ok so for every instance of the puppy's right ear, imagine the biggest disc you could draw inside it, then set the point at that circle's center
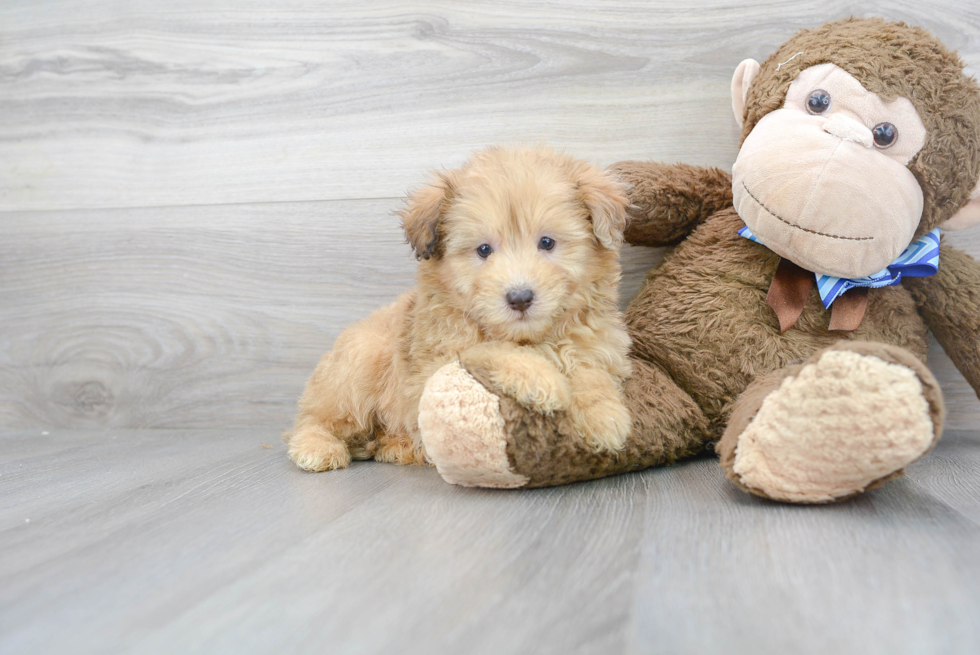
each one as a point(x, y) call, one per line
point(604, 196)
point(422, 215)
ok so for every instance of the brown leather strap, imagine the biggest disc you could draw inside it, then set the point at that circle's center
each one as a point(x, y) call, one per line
point(847, 312)
point(788, 292)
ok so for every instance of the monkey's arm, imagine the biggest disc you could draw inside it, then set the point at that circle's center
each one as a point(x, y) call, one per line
point(669, 201)
point(950, 303)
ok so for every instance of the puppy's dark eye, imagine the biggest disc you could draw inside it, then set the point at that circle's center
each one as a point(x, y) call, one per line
point(818, 102)
point(885, 135)
point(484, 250)
point(546, 243)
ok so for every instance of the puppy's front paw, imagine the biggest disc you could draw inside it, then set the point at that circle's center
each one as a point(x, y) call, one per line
point(542, 391)
point(605, 424)
point(313, 448)
point(525, 376)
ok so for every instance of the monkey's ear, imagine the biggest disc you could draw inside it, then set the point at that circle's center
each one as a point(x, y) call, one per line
point(422, 214)
point(605, 198)
point(741, 81)
point(968, 216)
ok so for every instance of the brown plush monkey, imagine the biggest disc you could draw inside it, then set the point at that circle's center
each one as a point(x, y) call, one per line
point(788, 328)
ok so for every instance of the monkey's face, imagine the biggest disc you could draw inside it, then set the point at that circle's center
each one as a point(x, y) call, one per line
point(824, 180)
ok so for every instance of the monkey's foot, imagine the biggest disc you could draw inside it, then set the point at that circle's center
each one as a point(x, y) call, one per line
point(847, 420)
point(463, 431)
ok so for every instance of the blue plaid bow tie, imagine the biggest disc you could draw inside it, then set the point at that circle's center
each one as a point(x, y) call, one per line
point(920, 259)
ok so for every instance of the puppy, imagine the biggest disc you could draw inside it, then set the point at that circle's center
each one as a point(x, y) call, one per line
point(519, 269)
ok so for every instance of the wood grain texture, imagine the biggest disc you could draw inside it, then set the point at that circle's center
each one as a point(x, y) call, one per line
point(200, 541)
point(192, 317)
point(204, 102)
point(197, 196)
point(213, 316)
point(195, 200)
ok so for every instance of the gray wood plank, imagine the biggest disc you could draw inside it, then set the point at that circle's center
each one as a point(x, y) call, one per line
point(207, 316)
point(205, 542)
point(213, 316)
point(189, 317)
point(200, 103)
point(210, 311)
point(872, 575)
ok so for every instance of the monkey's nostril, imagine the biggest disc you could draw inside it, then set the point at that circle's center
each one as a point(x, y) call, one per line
point(520, 299)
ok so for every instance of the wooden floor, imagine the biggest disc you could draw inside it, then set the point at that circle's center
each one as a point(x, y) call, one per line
point(163, 541)
point(196, 196)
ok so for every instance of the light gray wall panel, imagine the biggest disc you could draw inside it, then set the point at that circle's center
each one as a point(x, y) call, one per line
point(195, 198)
point(145, 103)
point(213, 316)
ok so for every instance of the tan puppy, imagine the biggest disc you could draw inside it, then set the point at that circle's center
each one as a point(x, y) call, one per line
point(519, 271)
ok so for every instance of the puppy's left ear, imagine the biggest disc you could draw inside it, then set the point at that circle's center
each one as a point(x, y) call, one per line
point(422, 215)
point(605, 198)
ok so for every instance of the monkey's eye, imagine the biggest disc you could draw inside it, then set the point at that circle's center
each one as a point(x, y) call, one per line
point(818, 102)
point(885, 135)
point(484, 250)
point(546, 243)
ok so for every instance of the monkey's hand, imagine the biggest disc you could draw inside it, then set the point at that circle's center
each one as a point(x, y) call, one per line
point(669, 201)
point(950, 303)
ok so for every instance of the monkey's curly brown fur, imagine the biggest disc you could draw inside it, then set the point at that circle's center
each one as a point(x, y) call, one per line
point(705, 342)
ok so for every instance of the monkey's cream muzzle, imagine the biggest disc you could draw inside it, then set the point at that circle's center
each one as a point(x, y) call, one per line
point(815, 188)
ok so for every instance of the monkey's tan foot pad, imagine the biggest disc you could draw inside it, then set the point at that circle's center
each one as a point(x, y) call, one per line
point(840, 424)
point(463, 431)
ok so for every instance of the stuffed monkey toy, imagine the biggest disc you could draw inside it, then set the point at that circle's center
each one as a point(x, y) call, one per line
point(787, 330)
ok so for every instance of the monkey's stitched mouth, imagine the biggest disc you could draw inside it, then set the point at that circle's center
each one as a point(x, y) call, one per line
point(800, 227)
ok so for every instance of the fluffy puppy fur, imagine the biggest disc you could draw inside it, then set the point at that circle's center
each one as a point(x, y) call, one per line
point(519, 271)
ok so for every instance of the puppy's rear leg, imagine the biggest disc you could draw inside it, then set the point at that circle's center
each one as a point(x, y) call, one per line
point(339, 408)
point(399, 448)
point(314, 447)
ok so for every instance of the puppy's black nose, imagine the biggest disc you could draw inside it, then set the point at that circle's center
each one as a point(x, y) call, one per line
point(520, 299)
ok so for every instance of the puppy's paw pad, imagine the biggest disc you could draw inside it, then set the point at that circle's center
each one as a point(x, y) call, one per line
point(605, 425)
point(400, 450)
point(546, 394)
point(527, 377)
point(313, 452)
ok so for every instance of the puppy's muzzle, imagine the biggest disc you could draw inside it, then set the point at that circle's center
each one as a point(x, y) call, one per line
point(520, 299)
